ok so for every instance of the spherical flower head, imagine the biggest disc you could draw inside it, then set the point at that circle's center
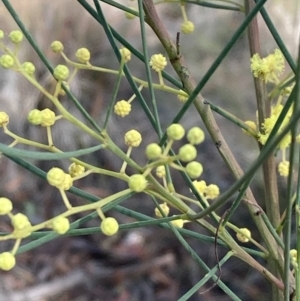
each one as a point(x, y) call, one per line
point(182, 98)
point(194, 169)
point(175, 131)
point(187, 27)
point(22, 226)
point(48, 117)
point(284, 168)
point(243, 235)
point(293, 254)
point(61, 72)
point(83, 55)
point(268, 68)
point(60, 225)
point(1, 34)
point(20, 221)
point(200, 186)
point(161, 171)
point(35, 117)
point(5, 206)
point(29, 68)
point(57, 47)
point(16, 36)
point(76, 170)
point(7, 61)
point(56, 177)
point(137, 183)
point(153, 151)
point(164, 208)
point(187, 153)
point(125, 54)
point(4, 119)
point(133, 138)
point(195, 135)
point(178, 223)
point(128, 15)
point(109, 226)
point(251, 124)
point(7, 261)
point(212, 191)
point(158, 62)
point(122, 108)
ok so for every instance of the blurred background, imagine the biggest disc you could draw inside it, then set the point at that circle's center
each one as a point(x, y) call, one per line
point(142, 264)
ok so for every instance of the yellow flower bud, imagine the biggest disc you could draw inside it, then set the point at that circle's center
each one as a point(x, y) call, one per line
point(16, 36)
point(35, 117)
point(165, 209)
point(153, 151)
point(5, 206)
point(47, 117)
point(293, 254)
point(194, 169)
point(7, 61)
point(122, 108)
point(83, 55)
point(178, 223)
point(28, 67)
point(20, 221)
point(195, 135)
point(187, 27)
point(57, 47)
point(7, 261)
point(61, 72)
point(243, 235)
point(200, 186)
point(109, 226)
point(181, 98)
point(22, 226)
point(212, 191)
point(175, 131)
point(56, 177)
point(4, 119)
point(76, 170)
point(125, 54)
point(187, 153)
point(60, 225)
point(284, 168)
point(1, 34)
point(158, 62)
point(161, 171)
point(137, 183)
point(133, 138)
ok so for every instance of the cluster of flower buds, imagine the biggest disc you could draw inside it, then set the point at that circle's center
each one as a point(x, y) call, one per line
point(22, 228)
point(44, 117)
point(58, 178)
